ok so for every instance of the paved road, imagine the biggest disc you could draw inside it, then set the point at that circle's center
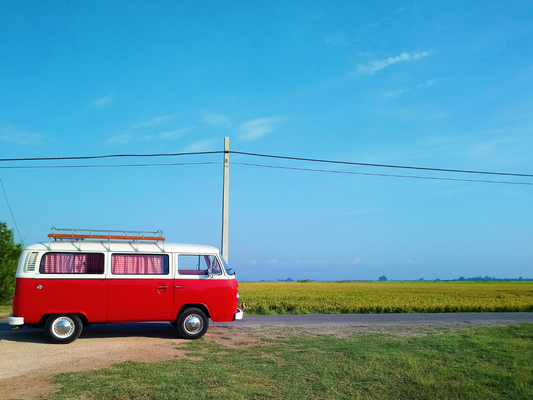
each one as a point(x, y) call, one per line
point(382, 319)
point(325, 320)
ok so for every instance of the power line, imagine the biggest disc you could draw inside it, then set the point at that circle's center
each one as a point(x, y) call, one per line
point(268, 156)
point(107, 165)
point(389, 175)
point(257, 165)
point(382, 165)
point(11, 211)
point(110, 156)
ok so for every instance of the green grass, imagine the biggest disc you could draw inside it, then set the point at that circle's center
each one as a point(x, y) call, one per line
point(5, 310)
point(471, 363)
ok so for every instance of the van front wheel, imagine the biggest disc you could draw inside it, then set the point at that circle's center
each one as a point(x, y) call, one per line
point(192, 323)
point(63, 328)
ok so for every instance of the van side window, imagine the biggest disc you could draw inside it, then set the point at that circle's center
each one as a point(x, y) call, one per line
point(139, 264)
point(198, 265)
point(72, 263)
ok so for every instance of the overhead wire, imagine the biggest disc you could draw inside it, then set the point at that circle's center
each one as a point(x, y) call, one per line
point(268, 156)
point(254, 165)
point(110, 156)
point(11, 211)
point(266, 166)
point(108, 165)
point(389, 175)
point(382, 165)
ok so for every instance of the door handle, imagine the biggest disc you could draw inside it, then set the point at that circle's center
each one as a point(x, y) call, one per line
point(163, 287)
point(179, 287)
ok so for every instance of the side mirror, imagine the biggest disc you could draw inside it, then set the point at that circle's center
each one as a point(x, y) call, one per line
point(230, 271)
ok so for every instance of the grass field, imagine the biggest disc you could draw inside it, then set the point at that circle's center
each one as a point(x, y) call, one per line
point(5, 310)
point(385, 297)
point(437, 363)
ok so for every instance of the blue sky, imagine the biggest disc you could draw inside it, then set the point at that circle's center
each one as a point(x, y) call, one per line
point(443, 84)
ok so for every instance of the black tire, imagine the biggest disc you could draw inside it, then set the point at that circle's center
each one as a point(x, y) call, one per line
point(192, 323)
point(63, 328)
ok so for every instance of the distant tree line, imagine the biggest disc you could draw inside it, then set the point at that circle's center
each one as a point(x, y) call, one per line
point(492, 279)
point(461, 279)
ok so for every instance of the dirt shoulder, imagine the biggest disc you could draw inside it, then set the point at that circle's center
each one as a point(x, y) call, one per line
point(27, 361)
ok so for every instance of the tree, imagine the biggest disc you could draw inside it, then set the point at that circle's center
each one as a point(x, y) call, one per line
point(382, 278)
point(9, 257)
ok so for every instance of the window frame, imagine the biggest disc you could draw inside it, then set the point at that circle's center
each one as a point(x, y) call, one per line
point(199, 273)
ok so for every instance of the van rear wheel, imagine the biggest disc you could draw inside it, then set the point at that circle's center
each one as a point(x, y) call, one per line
point(63, 328)
point(192, 323)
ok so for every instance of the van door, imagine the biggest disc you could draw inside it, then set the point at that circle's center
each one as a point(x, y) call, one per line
point(139, 288)
point(200, 280)
point(64, 283)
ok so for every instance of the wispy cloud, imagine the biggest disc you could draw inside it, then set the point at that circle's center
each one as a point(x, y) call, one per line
point(203, 145)
point(387, 19)
point(173, 134)
point(378, 65)
point(337, 40)
point(134, 137)
point(216, 119)
point(395, 93)
point(429, 82)
point(300, 262)
point(257, 128)
point(153, 122)
point(103, 102)
point(17, 136)
point(463, 146)
point(119, 139)
point(424, 112)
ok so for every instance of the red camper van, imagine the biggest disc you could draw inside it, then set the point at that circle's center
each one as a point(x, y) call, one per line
point(82, 277)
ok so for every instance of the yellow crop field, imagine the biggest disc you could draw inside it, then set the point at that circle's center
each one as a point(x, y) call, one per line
point(385, 297)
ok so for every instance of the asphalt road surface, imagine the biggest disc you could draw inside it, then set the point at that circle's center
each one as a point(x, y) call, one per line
point(320, 320)
point(382, 319)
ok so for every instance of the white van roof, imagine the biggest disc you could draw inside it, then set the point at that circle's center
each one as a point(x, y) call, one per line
point(122, 246)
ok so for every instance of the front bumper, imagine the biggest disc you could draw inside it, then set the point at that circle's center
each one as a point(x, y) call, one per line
point(16, 321)
point(239, 314)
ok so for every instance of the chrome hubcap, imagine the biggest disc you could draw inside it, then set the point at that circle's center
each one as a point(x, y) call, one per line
point(193, 324)
point(63, 327)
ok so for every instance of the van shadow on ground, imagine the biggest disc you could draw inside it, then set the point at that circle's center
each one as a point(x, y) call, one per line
point(162, 330)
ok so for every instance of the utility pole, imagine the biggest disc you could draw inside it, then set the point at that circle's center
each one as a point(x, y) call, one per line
point(225, 202)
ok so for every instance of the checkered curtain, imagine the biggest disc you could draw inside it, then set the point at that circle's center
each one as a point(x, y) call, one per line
point(139, 264)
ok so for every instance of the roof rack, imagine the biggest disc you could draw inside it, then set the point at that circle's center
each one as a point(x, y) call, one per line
point(77, 234)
